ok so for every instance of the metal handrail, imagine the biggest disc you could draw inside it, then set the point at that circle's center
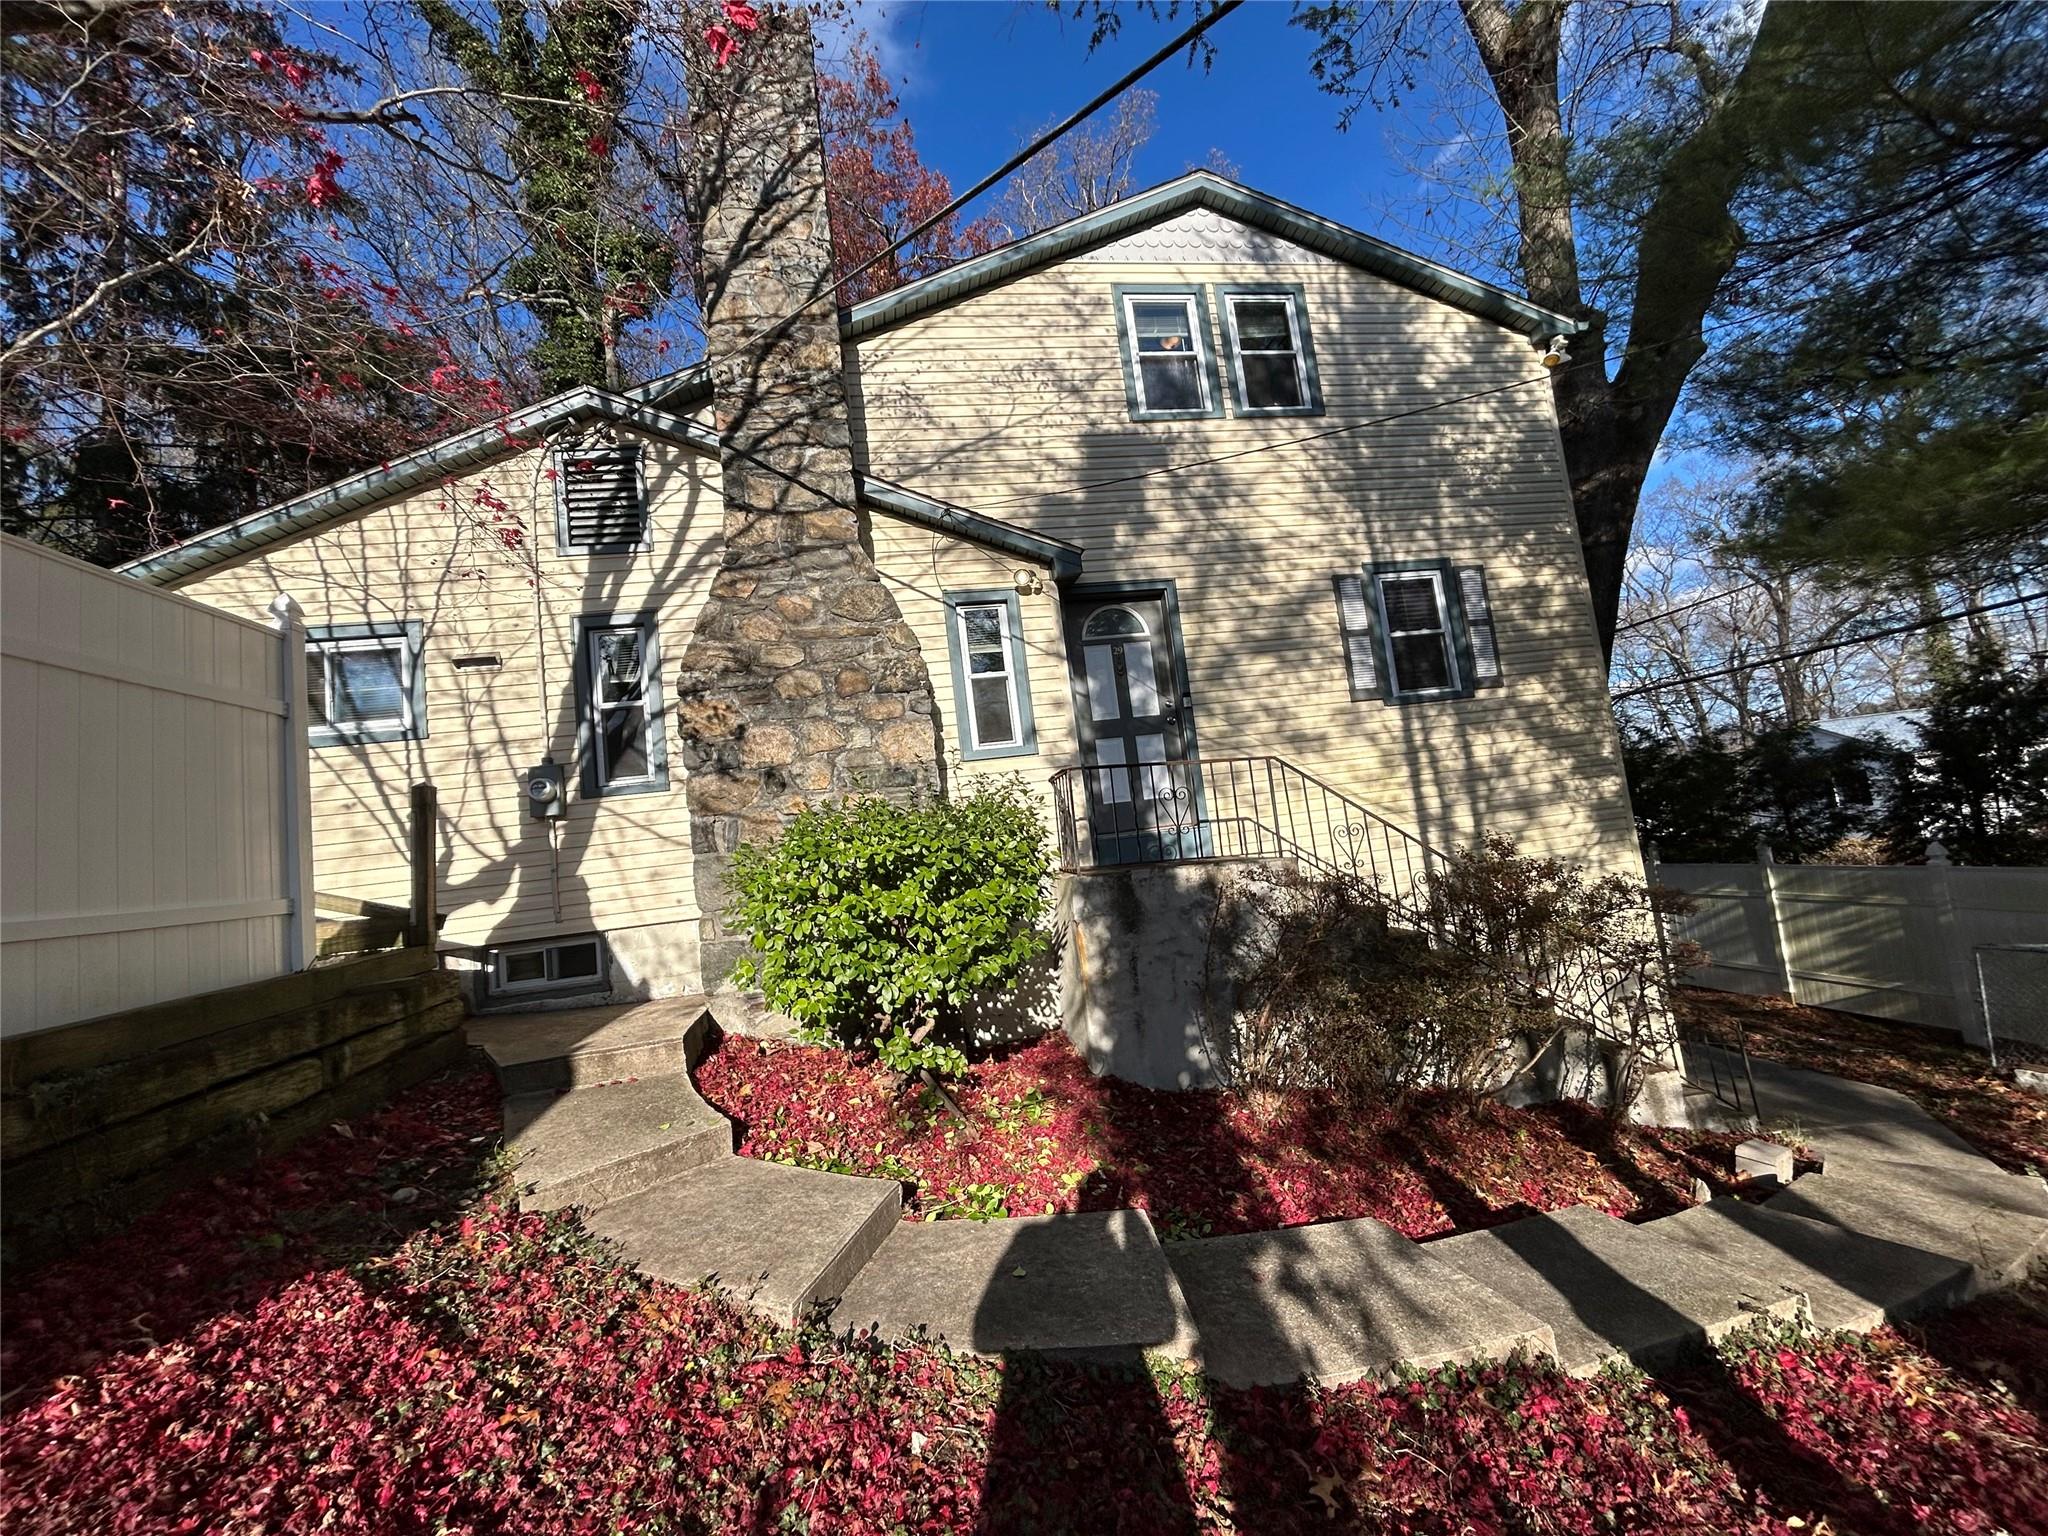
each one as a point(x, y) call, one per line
point(1189, 810)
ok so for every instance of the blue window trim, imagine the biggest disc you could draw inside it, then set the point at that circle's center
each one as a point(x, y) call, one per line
point(1026, 744)
point(407, 630)
point(657, 718)
point(646, 539)
point(1127, 347)
point(1311, 381)
point(1454, 622)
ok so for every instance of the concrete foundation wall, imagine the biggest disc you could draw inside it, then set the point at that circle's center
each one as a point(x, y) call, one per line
point(1137, 990)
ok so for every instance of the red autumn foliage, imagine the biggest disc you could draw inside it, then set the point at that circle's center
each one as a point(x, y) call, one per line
point(361, 1336)
point(878, 189)
point(1045, 1135)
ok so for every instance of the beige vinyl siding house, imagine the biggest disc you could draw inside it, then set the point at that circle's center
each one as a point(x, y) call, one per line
point(476, 563)
point(1015, 401)
point(1194, 479)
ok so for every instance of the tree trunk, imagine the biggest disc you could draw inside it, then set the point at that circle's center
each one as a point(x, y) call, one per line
point(1686, 247)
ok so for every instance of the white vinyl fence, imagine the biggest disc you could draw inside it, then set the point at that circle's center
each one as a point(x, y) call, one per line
point(155, 833)
point(1894, 941)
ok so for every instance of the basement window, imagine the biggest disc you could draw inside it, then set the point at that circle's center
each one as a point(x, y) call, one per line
point(554, 963)
point(600, 500)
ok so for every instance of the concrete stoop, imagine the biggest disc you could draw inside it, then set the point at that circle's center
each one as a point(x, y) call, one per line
point(602, 1114)
point(1611, 1290)
point(1336, 1302)
point(581, 1047)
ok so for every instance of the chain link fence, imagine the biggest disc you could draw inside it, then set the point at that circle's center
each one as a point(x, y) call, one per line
point(2012, 981)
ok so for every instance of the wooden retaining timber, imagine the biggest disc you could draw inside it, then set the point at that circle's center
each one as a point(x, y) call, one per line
point(101, 1119)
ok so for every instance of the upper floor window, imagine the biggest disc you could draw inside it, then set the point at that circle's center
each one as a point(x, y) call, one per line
point(364, 683)
point(1272, 360)
point(600, 500)
point(1420, 650)
point(1168, 372)
point(622, 746)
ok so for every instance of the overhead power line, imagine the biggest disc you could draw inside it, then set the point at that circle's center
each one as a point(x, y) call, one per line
point(1186, 38)
point(1660, 684)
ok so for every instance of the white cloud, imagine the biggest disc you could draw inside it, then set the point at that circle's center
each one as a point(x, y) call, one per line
point(889, 28)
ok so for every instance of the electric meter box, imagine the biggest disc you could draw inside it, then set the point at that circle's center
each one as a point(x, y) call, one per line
point(545, 796)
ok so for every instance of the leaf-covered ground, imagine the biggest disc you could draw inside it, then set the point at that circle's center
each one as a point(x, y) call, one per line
point(359, 1336)
point(1042, 1134)
point(1952, 1081)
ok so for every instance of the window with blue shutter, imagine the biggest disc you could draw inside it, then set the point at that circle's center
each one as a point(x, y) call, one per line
point(1416, 631)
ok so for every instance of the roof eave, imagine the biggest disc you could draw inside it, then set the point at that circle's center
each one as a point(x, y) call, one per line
point(1205, 190)
point(963, 522)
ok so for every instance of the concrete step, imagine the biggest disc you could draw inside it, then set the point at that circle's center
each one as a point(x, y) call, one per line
point(1088, 1284)
point(1839, 1117)
point(1335, 1303)
point(597, 1145)
point(779, 1239)
point(1996, 1222)
point(1850, 1280)
point(1609, 1289)
point(575, 1047)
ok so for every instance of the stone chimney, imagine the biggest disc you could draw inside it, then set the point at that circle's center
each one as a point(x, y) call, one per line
point(801, 680)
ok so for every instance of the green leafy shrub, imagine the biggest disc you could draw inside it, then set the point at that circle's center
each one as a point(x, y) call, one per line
point(873, 923)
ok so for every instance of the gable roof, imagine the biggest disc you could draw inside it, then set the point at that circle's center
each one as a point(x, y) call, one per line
point(1196, 189)
point(289, 520)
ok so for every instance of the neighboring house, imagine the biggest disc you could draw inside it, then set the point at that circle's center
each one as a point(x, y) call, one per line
point(1893, 730)
point(1197, 477)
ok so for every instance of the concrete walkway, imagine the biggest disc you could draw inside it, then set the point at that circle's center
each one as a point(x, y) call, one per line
point(1905, 1218)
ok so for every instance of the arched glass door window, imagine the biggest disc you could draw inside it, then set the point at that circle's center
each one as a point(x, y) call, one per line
point(1113, 624)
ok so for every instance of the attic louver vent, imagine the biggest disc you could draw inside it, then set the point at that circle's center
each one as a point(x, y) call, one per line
point(600, 506)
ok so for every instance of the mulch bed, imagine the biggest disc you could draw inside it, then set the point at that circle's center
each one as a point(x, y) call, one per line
point(1044, 1135)
point(1952, 1081)
point(361, 1336)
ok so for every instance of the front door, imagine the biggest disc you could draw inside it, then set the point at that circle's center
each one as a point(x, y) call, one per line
point(1132, 706)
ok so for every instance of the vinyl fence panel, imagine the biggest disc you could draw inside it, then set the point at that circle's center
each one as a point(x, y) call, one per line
point(150, 797)
point(1896, 942)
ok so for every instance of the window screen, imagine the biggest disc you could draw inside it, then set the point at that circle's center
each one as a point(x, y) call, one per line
point(363, 684)
point(618, 686)
point(1418, 632)
point(1268, 355)
point(991, 680)
point(602, 510)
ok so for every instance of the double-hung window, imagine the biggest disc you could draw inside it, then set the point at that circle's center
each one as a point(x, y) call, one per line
point(620, 743)
point(364, 683)
point(991, 697)
point(1169, 373)
point(1417, 631)
point(1421, 655)
point(1272, 359)
point(600, 500)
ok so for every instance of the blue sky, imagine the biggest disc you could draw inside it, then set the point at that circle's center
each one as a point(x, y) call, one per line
point(978, 76)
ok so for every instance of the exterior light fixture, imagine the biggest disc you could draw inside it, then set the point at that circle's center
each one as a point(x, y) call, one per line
point(1558, 353)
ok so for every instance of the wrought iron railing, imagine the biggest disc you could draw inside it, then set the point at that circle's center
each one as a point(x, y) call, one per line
point(1183, 811)
point(1236, 808)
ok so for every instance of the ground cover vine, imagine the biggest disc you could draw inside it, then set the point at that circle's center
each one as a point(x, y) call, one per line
point(1043, 1134)
point(364, 1335)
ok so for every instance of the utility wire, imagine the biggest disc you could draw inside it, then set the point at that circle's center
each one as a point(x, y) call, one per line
point(1186, 39)
point(1662, 683)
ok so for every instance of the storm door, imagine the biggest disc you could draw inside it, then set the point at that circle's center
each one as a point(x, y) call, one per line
point(1130, 697)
